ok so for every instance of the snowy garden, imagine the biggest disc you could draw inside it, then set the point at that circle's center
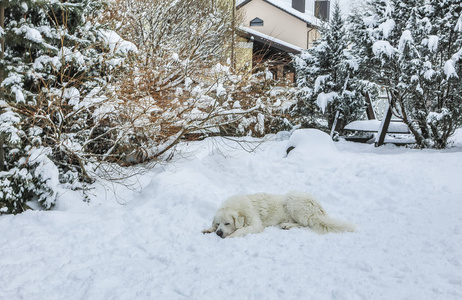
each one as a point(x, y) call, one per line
point(145, 242)
point(125, 124)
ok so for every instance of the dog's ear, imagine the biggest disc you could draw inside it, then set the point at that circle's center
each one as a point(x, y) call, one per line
point(238, 221)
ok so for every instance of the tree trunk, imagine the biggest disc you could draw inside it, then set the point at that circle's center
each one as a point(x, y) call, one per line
point(2, 42)
point(233, 33)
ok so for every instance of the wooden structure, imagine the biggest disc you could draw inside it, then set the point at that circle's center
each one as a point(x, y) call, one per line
point(380, 139)
point(377, 129)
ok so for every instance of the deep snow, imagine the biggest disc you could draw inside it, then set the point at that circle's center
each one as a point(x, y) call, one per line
point(146, 243)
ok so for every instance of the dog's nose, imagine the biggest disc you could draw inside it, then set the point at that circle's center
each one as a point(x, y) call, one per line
point(220, 233)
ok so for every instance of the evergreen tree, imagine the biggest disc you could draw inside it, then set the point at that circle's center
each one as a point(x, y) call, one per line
point(440, 78)
point(49, 67)
point(325, 74)
point(407, 47)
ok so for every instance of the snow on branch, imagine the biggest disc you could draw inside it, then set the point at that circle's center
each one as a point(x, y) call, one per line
point(323, 99)
point(458, 26)
point(383, 48)
point(116, 44)
point(387, 27)
point(405, 40)
point(431, 42)
point(450, 69)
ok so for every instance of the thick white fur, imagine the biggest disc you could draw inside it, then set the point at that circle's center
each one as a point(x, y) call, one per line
point(241, 215)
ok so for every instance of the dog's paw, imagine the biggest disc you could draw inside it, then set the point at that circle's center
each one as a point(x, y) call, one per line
point(234, 235)
point(205, 231)
point(287, 226)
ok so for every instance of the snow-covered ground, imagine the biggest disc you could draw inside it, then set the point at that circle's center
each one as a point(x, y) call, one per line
point(146, 243)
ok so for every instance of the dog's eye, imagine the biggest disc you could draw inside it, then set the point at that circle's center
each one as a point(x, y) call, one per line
point(226, 224)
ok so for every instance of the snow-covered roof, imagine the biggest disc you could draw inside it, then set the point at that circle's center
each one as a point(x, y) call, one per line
point(239, 3)
point(272, 41)
point(286, 5)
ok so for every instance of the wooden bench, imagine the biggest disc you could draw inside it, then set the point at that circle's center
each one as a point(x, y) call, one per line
point(368, 130)
point(374, 126)
point(381, 132)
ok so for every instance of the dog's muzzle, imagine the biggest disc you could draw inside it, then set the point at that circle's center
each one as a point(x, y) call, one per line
point(220, 233)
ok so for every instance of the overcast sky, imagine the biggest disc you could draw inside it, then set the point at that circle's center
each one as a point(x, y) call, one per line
point(345, 5)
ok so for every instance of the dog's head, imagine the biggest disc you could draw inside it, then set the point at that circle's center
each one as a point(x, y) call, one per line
point(226, 222)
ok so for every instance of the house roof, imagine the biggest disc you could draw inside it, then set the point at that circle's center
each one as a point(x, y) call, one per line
point(286, 6)
point(270, 41)
point(240, 3)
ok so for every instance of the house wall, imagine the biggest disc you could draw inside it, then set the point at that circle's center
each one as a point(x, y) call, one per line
point(313, 35)
point(244, 53)
point(277, 23)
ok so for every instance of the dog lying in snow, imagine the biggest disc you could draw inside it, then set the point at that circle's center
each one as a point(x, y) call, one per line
point(241, 215)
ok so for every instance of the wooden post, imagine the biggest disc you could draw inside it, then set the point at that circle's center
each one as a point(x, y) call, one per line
point(380, 139)
point(280, 72)
point(370, 110)
point(334, 126)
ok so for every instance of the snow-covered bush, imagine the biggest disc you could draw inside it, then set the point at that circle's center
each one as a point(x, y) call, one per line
point(78, 95)
point(56, 62)
point(257, 105)
point(30, 174)
point(147, 121)
point(181, 83)
point(176, 39)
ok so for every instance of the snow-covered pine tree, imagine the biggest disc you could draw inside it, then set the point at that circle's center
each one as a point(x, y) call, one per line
point(440, 80)
point(53, 61)
point(325, 74)
point(397, 46)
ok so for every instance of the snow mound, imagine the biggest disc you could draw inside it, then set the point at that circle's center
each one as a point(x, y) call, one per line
point(311, 142)
point(456, 138)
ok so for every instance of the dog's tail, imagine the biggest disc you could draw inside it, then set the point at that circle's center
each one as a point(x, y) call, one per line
point(324, 224)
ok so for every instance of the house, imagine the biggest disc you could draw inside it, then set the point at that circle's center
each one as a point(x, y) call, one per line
point(271, 30)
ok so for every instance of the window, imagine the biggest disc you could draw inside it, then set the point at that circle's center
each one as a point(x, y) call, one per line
point(256, 22)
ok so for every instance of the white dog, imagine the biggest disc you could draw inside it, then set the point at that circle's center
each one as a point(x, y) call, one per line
point(241, 215)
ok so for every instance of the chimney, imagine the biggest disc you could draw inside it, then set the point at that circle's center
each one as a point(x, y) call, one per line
point(299, 5)
point(322, 9)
